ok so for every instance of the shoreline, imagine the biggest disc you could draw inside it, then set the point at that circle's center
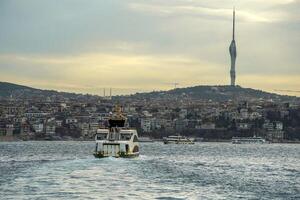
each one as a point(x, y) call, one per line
point(18, 139)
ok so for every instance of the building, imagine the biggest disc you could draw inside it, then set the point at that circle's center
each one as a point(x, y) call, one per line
point(180, 124)
point(24, 128)
point(38, 127)
point(146, 124)
point(208, 126)
point(50, 127)
point(9, 129)
point(84, 128)
point(244, 113)
point(278, 126)
point(71, 120)
point(93, 128)
point(274, 131)
point(243, 126)
point(268, 126)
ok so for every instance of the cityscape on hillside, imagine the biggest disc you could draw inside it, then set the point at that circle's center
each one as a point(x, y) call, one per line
point(218, 115)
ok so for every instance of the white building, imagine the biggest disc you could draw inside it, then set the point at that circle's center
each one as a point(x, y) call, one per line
point(84, 127)
point(9, 129)
point(244, 113)
point(183, 113)
point(71, 120)
point(93, 127)
point(146, 124)
point(38, 127)
point(269, 126)
point(208, 126)
point(279, 125)
point(50, 127)
point(255, 115)
point(243, 126)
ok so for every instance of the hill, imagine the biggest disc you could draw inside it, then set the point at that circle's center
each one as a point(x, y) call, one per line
point(6, 89)
point(20, 91)
point(216, 93)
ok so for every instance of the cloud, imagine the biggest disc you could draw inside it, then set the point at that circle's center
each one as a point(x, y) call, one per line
point(248, 11)
point(272, 83)
point(89, 72)
point(79, 45)
point(198, 11)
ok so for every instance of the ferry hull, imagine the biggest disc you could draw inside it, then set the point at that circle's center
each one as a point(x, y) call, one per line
point(178, 142)
point(116, 149)
point(248, 140)
point(121, 155)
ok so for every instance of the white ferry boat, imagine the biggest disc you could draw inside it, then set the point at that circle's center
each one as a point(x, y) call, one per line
point(177, 139)
point(248, 140)
point(117, 140)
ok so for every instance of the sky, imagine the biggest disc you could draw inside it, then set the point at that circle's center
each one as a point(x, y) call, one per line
point(145, 45)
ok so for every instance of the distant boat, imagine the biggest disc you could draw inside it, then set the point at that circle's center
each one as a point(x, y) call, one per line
point(248, 140)
point(198, 139)
point(177, 139)
point(117, 140)
point(145, 139)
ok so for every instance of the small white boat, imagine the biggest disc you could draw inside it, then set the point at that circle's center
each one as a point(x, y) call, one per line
point(248, 140)
point(177, 139)
point(145, 139)
point(117, 140)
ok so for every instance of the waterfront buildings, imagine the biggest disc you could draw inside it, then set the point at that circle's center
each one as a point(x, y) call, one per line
point(156, 117)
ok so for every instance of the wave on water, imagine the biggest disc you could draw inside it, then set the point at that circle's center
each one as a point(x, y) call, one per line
point(46, 170)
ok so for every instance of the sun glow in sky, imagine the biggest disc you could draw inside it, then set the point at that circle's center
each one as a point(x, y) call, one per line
point(138, 45)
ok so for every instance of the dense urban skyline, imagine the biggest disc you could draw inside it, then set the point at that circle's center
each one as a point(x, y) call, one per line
point(134, 46)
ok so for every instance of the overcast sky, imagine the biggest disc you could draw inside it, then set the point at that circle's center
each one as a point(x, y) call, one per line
point(144, 45)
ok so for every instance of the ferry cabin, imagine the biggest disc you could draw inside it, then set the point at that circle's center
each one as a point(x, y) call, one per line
point(116, 142)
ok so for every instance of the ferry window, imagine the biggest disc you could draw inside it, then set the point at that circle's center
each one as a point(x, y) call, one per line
point(135, 149)
point(127, 148)
point(135, 139)
point(101, 136)
point(125, 136)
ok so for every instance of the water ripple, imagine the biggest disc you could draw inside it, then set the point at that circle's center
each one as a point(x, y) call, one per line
point(67, 170)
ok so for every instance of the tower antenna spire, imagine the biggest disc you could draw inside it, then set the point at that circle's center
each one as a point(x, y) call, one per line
point(233, 25)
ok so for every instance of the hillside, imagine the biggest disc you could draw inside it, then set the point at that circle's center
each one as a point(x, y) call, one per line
point(20, 91)
point(214, 93)
point(6, 89)
point(217, 93)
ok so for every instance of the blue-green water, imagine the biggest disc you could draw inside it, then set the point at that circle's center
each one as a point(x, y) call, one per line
point(67, 170)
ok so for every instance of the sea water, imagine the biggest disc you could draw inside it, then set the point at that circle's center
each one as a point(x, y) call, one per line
point(68, 170)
